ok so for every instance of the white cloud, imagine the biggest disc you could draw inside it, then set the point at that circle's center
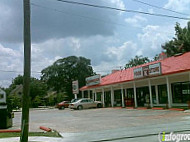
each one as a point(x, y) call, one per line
point(178, 5)
point(152, 37)
point(136, 21)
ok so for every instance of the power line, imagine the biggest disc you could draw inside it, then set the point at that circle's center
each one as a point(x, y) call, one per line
point(72, 14)
point(158, 7)
point(9, 71)
point(123, 10)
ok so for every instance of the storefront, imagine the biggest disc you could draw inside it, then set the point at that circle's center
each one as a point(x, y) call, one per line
point(160, 83)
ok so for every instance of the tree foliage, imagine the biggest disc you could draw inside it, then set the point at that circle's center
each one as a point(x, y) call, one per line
point(180, 43)
point(38, 89)
point(138, 60)
point(60, 75)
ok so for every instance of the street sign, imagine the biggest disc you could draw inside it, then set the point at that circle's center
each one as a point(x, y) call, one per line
point(75, 86)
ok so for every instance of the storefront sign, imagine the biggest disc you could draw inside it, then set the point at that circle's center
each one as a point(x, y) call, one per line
point(155, 69)
point(150, 70)
point(93, 80)
point(138, 73)
point(75, 86)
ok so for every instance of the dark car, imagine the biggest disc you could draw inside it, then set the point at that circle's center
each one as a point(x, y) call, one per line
point(63, 105)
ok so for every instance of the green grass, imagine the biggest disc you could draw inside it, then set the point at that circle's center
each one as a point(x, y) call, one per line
point(44, 134)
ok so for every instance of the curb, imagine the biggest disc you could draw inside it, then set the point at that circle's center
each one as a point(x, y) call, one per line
point(129, 107)
point(45, 129)
point(158, 108)
point(10, 131)
point(141, 108)
point(177, 109)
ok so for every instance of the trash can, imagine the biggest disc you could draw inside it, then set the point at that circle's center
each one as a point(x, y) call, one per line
point(5, 117)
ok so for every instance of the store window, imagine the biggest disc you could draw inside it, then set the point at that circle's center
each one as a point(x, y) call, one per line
point(154, 95)
point(129, 97)
point(162, 94)
point(181, 92)
point(117, 98)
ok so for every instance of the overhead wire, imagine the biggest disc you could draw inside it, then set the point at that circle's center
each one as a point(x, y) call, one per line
point(12, 71)
point(82, 16)
point(158, 7)
point(123, 10)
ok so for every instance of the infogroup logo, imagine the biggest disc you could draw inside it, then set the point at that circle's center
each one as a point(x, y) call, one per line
point(163, 137)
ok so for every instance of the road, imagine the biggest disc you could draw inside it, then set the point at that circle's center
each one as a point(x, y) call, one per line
point(108, 124)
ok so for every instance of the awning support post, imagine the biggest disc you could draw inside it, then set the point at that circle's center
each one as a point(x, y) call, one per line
point(122, 96)
point(168, 91)
point(135, 94)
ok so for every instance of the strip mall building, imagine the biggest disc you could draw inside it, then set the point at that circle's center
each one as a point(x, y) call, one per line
point(159, 83)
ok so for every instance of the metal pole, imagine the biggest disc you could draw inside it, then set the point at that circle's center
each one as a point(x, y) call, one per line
point(27, 72)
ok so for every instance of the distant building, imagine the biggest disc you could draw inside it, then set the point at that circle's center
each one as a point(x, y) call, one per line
point(18, 91)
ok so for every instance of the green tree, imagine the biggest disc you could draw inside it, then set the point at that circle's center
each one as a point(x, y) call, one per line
point(37, 88)
point(60, 75)
point(138, 60)
point(180, 43)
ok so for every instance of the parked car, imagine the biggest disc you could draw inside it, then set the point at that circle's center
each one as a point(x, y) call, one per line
point(74, 100)
point(85, 103)
point(63, 105)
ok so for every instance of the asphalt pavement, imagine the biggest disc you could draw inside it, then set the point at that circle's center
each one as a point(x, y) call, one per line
point(106, 124)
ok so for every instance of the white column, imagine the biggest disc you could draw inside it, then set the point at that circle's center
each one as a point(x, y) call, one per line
point(168, 91)
point(112, 97)
point(95, 98)
point(93, 95)
point(88, 93)
point(125, 92)
point(157, 100)
point(135, 94)
point(82, 94)
point(103, 99)
point(75, 96)
point(150, 92)
point(122, 96)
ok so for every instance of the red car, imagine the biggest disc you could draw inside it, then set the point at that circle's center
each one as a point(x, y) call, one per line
point(63, 105)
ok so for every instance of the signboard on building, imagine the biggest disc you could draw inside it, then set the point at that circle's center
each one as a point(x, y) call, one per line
point(155, 69)
point(75, 86)
point(145, 71)
point(2, 96)
point(138, 73)
point(93, 80)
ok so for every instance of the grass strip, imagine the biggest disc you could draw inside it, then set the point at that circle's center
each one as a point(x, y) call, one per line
point(44, 134)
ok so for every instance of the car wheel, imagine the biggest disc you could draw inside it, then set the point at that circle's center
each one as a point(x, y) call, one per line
point(80, 107)
point(99, 105)
point(62, 107)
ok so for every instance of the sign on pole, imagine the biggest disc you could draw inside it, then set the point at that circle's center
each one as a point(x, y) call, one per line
point(75, 86)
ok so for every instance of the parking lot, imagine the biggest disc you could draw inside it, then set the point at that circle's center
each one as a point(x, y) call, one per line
point(108, 123)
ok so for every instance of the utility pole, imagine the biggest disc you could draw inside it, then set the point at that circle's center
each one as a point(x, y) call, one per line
point(27, 72)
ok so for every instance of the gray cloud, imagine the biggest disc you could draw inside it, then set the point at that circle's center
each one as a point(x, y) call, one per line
point(48, 24)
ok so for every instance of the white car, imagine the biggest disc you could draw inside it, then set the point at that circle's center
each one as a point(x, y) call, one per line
point(85, 103)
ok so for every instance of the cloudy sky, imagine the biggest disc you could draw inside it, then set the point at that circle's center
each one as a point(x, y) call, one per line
point(109, 38)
